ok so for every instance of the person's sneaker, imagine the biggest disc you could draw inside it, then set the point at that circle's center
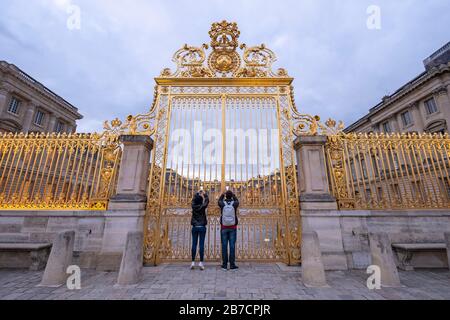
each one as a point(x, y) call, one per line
point(192, 265)
point(234, 267)
point(224, 268)
point(201, 266)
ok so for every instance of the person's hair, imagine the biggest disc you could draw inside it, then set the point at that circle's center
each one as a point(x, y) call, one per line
point(229, 194)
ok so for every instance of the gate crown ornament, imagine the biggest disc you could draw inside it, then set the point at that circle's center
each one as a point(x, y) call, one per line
point(224, 60)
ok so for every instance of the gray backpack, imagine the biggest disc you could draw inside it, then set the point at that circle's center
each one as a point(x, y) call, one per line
point(228, 214)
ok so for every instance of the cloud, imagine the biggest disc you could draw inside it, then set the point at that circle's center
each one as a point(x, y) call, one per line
point(106, 69)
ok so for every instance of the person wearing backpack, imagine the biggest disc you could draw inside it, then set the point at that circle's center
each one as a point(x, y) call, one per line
point(228, 203)
point(199, 221)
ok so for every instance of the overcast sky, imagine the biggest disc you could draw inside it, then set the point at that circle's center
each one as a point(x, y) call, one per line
point(341, 67)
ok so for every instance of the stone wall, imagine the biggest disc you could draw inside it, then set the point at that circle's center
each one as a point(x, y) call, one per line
point(93, 230)
point(100, 236)
point(343, 235)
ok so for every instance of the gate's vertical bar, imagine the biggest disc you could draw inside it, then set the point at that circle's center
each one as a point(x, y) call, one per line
point(224, 141)
point(189, 161)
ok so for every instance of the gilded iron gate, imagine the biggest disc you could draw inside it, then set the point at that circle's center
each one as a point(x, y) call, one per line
point(218, 142)
point(216, 138)
point(223, 121)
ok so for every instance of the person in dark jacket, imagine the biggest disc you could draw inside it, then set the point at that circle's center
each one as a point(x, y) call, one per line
point(228, 231)
point(199, 221)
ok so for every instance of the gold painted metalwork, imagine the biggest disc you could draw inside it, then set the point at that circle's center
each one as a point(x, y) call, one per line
point(224, 60)
point(259, 235)
point(224, 90)
point(143, 124)
point(173, 183)
point(389, 171)
point(305, 124)
point(57, 171)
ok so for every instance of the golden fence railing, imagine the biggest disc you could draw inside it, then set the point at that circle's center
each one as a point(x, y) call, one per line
point(389, 171)
point(57, 171)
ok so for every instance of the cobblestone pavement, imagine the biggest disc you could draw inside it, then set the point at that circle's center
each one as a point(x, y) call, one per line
point(251, 281)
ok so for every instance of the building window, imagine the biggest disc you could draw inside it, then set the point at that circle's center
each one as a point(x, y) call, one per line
point(430, 106)
point(396, 191)
point(14, 106)
point(406, 118)
point(380, 194)
point(39, 118)
point(353, 170)
point(437, 127)
point(375, 165)
point(446, 185)
point(387, 127)
point(59, 126)
point(364, 168)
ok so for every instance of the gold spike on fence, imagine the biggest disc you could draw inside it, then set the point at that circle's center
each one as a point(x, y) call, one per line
point(389, 171)
point(57, 171)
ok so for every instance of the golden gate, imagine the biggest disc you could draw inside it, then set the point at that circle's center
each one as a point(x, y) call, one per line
point(222, 121)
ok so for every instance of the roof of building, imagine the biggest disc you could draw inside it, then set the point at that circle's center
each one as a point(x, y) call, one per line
point(30, 80)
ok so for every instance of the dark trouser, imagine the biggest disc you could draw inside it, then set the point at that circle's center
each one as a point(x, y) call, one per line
point(198, 232)
point(228, 236)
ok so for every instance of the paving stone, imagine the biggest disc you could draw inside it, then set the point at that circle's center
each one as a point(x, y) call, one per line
point(251, 281)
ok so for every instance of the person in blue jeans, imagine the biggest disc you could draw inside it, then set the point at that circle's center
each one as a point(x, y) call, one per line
point(228, 203)
point(199, 221)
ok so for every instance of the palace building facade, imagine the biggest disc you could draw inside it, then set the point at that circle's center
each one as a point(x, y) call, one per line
point(421, 105)
point(28, 106)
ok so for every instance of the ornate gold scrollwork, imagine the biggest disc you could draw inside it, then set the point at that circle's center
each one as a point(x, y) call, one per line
point(141, 124)
point(336, 162)
point(224, 60)
point(305, 124)
point(258, 63)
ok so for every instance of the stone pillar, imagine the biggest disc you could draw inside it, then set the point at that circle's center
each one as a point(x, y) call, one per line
point(399, 120)
point(382, 256)
point(312, 173)
point(318, 207)
point(51, 123)
point(134, 167)
point(28, 117)
point(126, 210)
point(60, 258)
point(3, 100)
point(132, 259)
point(394, 123)
point(313, 272)
point(447, 243)
point(443, 103)
point(417, 117)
